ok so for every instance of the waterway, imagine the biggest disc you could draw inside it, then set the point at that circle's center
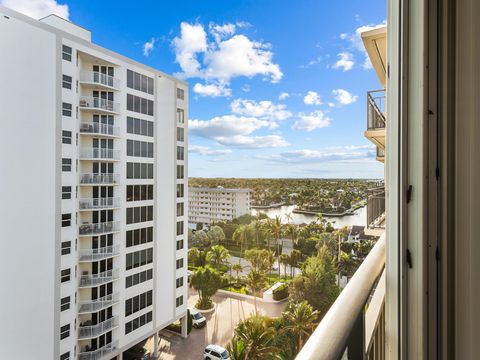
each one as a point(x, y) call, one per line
point(359, 218)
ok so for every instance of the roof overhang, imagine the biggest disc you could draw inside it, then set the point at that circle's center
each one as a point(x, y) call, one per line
point(375, 42)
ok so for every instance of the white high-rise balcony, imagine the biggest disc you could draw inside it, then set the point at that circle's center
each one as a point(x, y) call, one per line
point(89, 306)
point(90, 280)
point(99, 79)
point(99, 179)
point(98, 228)
point(95, 128)
point(99, 203)
point(88, 255)
point(87, 331)
point(99, 105)
point(99, 353)
point(99, 154)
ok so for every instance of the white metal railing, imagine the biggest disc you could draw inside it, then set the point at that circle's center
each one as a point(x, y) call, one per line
point(87, 255)
point(98, 228)
point(87, 354)
point(89, 306)
point(95, 77)
point(98, 203)
point(98, 128)
point(91, 102)
point(99, 153)
point(86, 331)
point(99, 179)
point(342, 331)
point(89, 280)
point(376, 109)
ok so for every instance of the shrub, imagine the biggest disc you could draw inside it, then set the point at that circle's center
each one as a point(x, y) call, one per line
point(280, 293)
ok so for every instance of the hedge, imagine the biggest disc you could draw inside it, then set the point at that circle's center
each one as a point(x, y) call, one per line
point(280, 292)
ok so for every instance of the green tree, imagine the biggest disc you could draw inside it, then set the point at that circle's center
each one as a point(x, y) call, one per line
point(300, 320)
point(237, 349)
point(217, 255)
point(241, 236)
point(215, 234)
point(197, 257)
point(255, 281)
point(237, 268)
point(295, 257)
point(260, 259)
point(285, 261)
point(200, 240)
point(257, 336)
point(206, 280)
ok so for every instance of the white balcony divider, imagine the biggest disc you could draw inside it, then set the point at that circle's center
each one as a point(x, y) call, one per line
point(98, 353)
point(98, 128)
point(92, 331)
point(99, 179)
point(98, 228)
point(99, 153)
point(89, 306)
point(88, 280)
point(96, 103)
point(98, 254)
point(98, 203)
point(95, 77)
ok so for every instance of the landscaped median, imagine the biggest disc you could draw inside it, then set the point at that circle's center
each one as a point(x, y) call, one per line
point(275, 294)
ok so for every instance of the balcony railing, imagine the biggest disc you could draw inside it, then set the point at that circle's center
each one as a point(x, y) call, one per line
point(86, 331)
point(380, 152)
point(99, 179)
point(99, 129)
point(348, 330)
point(88, 255)
point(98, 354)
point(90, 280)
point(89, 306)
point(98, 228)
point(96, 103)
point(375, 109)
point(376, 208)
point(98, 203)
point(94, 77)
point(99, 154)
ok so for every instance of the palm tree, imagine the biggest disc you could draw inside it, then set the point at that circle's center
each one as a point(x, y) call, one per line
point(237, 268)
point(255, 282)
point(218, 255)
point(284, 260)
point(258, 337)
point(206, 280)
point(300, 319)
point(241, 237)
point(197, 257)
point(295, 257)
point(237, 349)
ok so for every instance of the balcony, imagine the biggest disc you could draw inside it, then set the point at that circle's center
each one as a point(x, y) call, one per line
point(90, 306)
point(99, 179)
point(89, 255)
point(99, 80)
point(89, 229)
point(99, 154)
point(354, 327)
point(98, 203)
point(87, 331)
point(94, 128)
point(376, 208)
point(380, 154)
point(376, 119)
point(91, 280)
point(98, 105)
point(98, 354)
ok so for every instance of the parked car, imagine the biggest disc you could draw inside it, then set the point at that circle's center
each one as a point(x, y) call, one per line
point(198, 320)
point(215, 352)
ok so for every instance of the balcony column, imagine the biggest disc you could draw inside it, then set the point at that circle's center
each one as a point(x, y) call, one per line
point(184, 326)
point(155, 345)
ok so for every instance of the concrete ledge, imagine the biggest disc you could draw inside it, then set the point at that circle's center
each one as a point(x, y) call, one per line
point(248, 297)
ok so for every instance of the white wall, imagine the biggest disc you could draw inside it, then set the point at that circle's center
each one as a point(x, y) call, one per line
point(29, 180)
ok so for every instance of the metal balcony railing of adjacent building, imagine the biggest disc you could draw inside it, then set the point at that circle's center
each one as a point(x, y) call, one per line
point(99, 129)
point(87, 331)
point(354, 327)
point(99, 154)
point(89, 306)
point(98, 203)
point(97, 354)
point(98, 78)
point(99, 179)
point(98, 228)
point(376, 208)
point(380, 152)
point(90, 280)
point(88, 255)
point(96, 103)
point(376, 109)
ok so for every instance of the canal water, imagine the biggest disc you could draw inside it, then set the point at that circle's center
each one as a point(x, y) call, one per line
point(359, 218)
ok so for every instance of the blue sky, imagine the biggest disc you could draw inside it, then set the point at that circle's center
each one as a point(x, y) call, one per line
point(277, 87)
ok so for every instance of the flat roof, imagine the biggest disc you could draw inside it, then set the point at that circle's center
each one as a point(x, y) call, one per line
point(218, 189)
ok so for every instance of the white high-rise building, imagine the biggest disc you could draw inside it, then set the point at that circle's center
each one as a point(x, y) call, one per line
point(93, 195)
point(207, 205)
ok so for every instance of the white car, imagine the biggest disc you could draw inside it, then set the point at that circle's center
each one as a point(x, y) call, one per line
point(198, 320)
point(215, 352)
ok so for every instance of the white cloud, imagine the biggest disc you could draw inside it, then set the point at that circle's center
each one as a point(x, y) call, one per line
point(220, 32)
point(38, 8)
point(212, 90)
point(192, 40)
point(265, 110)
point(311, 121)
point(246, 88)
point(283, 96)
point(343, 97)
point(205, 150)
point(312, 98)
point(345, 61)
point(148, 47)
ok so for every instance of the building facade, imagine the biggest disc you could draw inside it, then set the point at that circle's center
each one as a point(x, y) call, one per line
point(208, 205)
point(94, 191)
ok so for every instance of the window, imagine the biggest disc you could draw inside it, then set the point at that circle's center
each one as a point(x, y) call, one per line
point(179, 301)
point(66, 192)
point(139, 214)
point(179, 227)
point(66, 82)
point(66, 137)
point(139, 236)
point(64, 331)
point(66, 53)
point(66, 247)
point(138, 322)
point(180, 94)
point(139, 105)
point(180, 134)
point(180, 172)
point(138, 258)
point(139, 192)
point(139, 171)
point(65, 275)
point(179, 263)
point(65, 303)
point(180, 190)
point(138, 302)
point(138, 278)
point(66, 220)
point(180, 116)
point(180, 153)
point(180, 209)
point(179, 282)
point(65, 356)
point(179, 244)
point(66, 109)
point(139, 82)
point(139, 148)
point(139, 126)
point(66, 164)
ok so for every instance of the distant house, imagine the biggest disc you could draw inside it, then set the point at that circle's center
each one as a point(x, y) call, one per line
point(357, 234)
